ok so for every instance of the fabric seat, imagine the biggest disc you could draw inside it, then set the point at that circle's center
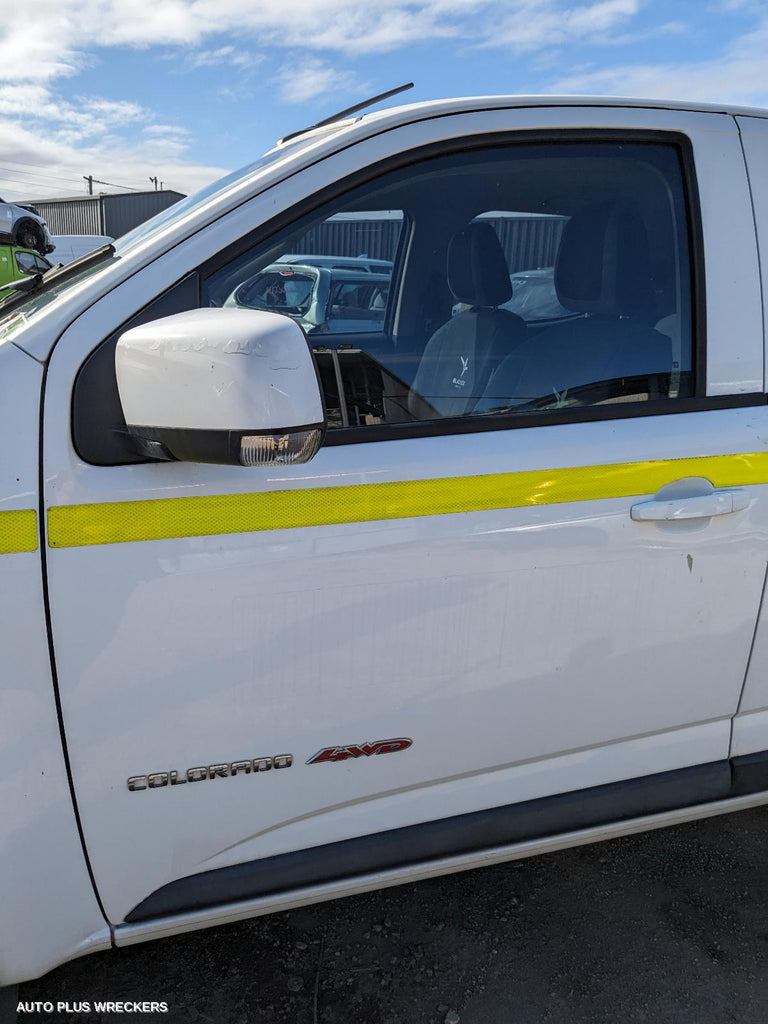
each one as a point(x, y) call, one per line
point(460, 356)
point(603, 271)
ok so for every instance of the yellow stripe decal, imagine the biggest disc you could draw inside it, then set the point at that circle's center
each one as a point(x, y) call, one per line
point(165, 518)
point(18, 531)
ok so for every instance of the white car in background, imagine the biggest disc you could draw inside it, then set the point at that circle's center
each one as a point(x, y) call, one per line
point(23, 226)
point(71, 247)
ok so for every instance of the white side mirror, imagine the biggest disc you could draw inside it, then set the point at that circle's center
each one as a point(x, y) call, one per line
point(234, 386)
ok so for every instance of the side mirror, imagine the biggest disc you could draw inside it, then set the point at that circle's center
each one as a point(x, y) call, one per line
point(231, 386)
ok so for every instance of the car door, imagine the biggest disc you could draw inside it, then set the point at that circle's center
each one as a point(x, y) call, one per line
point(449, 610)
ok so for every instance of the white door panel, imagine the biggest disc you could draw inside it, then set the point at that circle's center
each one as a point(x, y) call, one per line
point(525, 651)
point(474, 790)
point(490, 639)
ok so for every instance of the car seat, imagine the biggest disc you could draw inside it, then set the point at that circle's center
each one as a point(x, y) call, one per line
point(603, 271)
point(459, 357)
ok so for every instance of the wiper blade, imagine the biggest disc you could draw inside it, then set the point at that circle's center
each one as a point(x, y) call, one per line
point(17, 291)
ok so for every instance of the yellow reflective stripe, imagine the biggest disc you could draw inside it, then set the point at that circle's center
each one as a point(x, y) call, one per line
point(18, 531)
point(165, 518)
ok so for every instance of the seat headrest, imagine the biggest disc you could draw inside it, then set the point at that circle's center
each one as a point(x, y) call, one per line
point(603, 264)
point(477, 268)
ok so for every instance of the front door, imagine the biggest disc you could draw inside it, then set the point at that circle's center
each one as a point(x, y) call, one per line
point(468, 601)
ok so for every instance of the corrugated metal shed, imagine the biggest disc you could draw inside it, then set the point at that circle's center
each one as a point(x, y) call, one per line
point(103, 214)
point(529, 241)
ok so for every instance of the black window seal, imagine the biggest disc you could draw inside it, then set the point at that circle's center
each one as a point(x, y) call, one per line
point(517, 421)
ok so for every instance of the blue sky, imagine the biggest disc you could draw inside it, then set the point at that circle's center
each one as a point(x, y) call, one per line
point(189, 89)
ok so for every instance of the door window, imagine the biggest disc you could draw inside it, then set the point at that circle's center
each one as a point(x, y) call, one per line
point(29, 263)
point(529, 278)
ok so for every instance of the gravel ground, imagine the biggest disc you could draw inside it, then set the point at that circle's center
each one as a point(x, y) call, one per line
point(671, 926)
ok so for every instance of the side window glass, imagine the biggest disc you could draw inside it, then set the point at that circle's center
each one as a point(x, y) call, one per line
point(530, 243)
point(25, 261)
point(332, 278)
point(527, 278)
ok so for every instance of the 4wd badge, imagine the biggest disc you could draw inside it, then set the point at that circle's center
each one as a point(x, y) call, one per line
point(360, 750)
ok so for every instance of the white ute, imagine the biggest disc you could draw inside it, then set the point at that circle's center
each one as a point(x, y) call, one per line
point(281, 621)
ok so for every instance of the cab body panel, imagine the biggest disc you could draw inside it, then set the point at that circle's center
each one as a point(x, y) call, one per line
point(525, 650)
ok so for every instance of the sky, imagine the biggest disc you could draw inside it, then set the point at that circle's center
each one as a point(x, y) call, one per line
point(187, 90)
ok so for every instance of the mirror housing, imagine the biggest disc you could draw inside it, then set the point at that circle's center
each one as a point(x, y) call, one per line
point(230, 386)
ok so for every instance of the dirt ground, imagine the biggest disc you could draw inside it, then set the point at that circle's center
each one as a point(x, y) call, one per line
point(670, 927)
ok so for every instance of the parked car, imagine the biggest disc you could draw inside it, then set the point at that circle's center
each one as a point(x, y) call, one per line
point(534, 296)
point(23, 226)
point(281, 623)
point(72, 247)
point(360, 263)
point(324, 299)
point(16, 263)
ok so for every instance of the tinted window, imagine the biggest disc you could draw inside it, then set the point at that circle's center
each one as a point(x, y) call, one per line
point(279, 291)
point(26, 262)
point(530, 277)
point(344, 263)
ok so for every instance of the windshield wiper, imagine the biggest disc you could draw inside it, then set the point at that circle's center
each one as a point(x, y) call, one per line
point(17, 291)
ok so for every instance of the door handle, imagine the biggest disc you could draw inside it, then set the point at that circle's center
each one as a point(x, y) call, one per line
point(718, 503)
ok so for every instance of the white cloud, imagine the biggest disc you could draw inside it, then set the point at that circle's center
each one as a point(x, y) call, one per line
point(539, 24)
point(53, 162)
point(229, 56)
point(308, 79)
point(737, 76)
point(66, 30)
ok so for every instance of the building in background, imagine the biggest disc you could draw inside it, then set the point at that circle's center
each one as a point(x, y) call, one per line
point(105, 213)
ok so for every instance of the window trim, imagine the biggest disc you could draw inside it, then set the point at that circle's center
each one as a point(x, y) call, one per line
point(508, 139)
point(481, 424)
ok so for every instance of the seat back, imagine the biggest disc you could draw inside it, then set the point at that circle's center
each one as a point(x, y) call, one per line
point(603, 271)
point(460, 356)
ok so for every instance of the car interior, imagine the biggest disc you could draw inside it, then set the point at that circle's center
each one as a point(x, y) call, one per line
point(613, 227)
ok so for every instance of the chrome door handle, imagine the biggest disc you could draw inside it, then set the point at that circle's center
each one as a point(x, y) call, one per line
point(718, 503)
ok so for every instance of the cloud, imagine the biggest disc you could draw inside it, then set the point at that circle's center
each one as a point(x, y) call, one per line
point(51, 144)
point(311, 78)
point(67, 30)
point(45, 166)
point(736, 76)
point(539, 24)
point(229, 56)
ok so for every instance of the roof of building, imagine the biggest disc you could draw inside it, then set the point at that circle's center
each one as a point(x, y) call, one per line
point(106, 195)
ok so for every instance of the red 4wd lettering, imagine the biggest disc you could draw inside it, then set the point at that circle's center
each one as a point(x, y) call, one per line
point(360, 750)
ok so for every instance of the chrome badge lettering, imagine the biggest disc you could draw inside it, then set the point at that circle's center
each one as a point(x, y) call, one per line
point(335, 754)
point(158, 780)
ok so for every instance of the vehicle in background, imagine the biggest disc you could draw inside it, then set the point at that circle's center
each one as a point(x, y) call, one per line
point(321, 299)
point(23, 226)
point(16, 263)
point(360, 263)
point(72, 247)
point(534, 296)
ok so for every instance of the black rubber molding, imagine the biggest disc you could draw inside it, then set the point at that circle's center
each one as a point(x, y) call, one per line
point(418, 844)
